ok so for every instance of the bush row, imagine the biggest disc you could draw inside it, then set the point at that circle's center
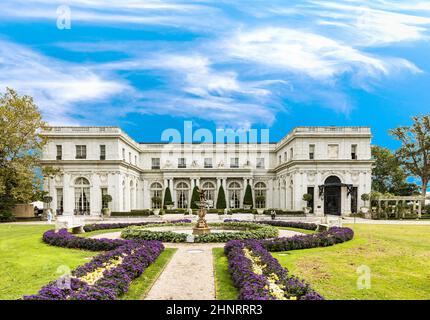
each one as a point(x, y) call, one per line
point(330, 237)
point(96, 281)
point(284, 212)
point(132, 213)
point(279, 223)
point(259, 276)
point(248, 230)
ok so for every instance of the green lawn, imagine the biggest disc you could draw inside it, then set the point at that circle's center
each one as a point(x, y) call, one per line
point(398, 258)
point(225, 289)
point(140, 286)
point(27, 263)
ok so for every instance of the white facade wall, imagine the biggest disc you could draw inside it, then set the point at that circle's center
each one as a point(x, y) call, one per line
point(127, 174)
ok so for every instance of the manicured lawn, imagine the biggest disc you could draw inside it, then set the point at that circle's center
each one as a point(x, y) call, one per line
point(225, 290)
point(140, 286)
point(27, 263)
point(296, 229)
point(398, 258)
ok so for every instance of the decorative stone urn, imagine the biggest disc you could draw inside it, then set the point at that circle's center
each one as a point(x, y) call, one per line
point(201, 226)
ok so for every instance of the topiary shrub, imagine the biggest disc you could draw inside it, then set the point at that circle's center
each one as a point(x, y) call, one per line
point(195, 197)
point(220, 203)
point(167, 198)
point(247, 199)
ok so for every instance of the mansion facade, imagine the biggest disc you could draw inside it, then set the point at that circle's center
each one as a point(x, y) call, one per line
point(333, 164)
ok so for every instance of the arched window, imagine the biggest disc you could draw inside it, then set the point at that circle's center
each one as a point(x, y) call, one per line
point(234, 191)
point(82, 196)
point(332, 180)
point(209, 189)
point(182, 191)
point(156, 193)
point(260, 195)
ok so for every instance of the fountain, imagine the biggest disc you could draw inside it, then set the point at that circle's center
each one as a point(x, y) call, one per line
point(201, 226)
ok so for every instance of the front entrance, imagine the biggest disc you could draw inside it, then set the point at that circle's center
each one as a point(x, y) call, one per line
point(332, 196)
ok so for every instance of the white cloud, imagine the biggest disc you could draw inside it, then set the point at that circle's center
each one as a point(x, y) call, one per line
point(57, 87)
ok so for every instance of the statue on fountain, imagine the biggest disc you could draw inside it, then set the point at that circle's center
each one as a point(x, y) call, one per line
point(201, 226)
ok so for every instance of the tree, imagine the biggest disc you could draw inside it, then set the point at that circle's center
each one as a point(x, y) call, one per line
point(414, 153)
point(167, 197)
point(220, 202)
point(20, 149)
point(247, 199)
point(388, 174)
point(365, 197)
point(195, 197)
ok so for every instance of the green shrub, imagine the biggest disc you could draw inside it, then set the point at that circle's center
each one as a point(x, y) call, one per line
point(195, 197)
point(285, 212)
point(220, 203)
point(167, 197)
point(132, 213)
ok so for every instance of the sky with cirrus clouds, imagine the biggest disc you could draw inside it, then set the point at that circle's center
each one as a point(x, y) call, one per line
point(149, 65)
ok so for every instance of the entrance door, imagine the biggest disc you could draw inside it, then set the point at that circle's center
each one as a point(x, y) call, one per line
point(332, 200)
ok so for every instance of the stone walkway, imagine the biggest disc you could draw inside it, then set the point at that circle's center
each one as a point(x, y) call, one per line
point(189, 275)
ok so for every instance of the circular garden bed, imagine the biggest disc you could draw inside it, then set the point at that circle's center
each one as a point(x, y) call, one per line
point(222, 232)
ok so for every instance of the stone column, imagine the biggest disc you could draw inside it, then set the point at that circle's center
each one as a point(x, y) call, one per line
point(224, 186)
point(68, 196)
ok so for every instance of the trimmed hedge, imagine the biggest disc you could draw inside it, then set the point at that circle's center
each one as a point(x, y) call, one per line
point(104, 226)
point(279, 223)
point(132, 213)
point(285, 212)
point(248, 231)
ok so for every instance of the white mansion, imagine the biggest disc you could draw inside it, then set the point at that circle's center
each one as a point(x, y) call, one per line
point(331, 163)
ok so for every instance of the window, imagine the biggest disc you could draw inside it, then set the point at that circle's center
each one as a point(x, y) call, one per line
point(209, 189)
point(102, 152)
point(60, 207)
point(129, 157)
point(105, 204)
point(234, 190)
point(182, 163)
point(333, 151)
point(280, 160)
point(260, 195)
point(291, 153)
point(354, 152)
point(311, 151)
point(310, 204)
point(59, 152)
point(234, 163)
point(123, 154)
point(81, 152)
point(285, 156)
point(156, 193)
point(82, 196)
point(208, 162)
point(260, 163)
point(182, 191)
point(135, 160)
point(155, 163)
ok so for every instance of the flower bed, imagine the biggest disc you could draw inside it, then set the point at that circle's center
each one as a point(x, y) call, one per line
point(323, 239)
point(106, 276)
point(247, 231)
point(64, 239)
point(259, 276)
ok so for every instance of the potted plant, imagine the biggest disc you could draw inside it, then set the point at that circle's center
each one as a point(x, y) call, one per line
point(157, 203)
point(308, 198)
point(106, 198)
point(365, 197)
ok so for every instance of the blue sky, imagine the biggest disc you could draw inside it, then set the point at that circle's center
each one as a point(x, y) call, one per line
point(150, 65)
